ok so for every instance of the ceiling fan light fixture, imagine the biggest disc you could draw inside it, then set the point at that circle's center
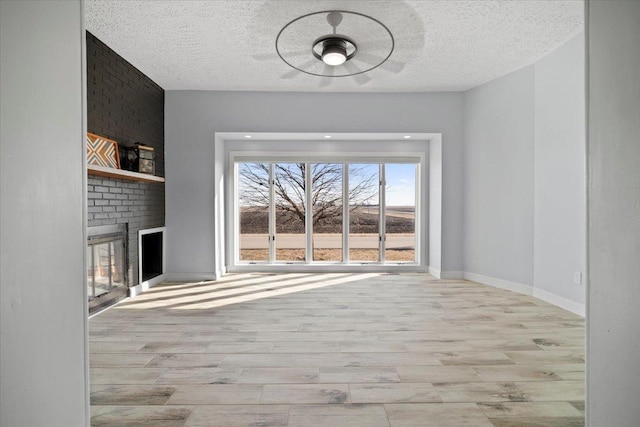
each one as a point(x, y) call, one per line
point(334, 51)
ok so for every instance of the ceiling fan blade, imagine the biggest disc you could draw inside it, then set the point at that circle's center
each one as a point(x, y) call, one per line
point(328, 71)
point(376, 43)
point(271, 56)
point(388, 65)
point(291, 74)
point(359, 78)
point(371, 43)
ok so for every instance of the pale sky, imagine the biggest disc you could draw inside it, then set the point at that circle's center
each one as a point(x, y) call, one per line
point(401, 182)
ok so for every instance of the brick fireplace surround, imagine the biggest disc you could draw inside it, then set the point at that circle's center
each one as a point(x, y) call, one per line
point(125, 105)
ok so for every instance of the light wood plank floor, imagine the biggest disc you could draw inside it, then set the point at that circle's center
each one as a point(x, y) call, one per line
point(336, 350)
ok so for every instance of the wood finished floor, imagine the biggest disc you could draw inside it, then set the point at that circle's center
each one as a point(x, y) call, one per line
point(336, 350)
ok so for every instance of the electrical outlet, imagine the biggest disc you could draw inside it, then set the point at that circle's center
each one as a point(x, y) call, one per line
point(577, 278)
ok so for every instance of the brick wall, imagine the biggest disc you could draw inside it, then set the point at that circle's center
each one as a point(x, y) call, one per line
point(125, 105)
point(122, 103)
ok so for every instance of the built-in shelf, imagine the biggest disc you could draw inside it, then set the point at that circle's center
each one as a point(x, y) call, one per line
point(122, 174)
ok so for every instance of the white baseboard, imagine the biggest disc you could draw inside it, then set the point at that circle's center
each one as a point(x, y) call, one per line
point(445, 275)
point(452, 275)
point(559, 301)
point(543, 295)
point(499, 283)
point(147, 284)
point(191, 277)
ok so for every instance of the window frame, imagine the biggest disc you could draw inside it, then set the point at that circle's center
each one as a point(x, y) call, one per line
point(416, 158)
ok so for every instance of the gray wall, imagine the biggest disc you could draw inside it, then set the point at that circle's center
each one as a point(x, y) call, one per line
point(613, 343)
point(42, 292)
point(192, 118)
point(560, 172)
point(524, 179)
point(498, 178)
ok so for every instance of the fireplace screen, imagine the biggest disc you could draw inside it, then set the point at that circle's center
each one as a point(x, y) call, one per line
point(106, 267)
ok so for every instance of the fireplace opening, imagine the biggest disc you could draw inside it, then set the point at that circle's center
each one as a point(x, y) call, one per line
point(151, 247)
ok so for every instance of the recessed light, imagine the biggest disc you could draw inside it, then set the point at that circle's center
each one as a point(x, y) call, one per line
point(407, 137)
point(327, 136)
point(247, 136)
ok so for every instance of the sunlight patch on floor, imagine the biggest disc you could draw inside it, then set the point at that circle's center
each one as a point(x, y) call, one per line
point(216, 294)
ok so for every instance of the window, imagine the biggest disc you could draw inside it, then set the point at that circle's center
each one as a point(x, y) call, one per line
point(364, 212)
point(290, 211)
point(326, 199)
point(253, 200)
point(400, 213)
point(326, 212)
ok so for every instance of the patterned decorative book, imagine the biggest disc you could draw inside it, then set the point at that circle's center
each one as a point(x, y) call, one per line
point(102, 151)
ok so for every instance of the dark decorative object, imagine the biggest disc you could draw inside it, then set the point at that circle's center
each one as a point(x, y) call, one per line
point(145, 159)
point(127, 159)
point(138, 158)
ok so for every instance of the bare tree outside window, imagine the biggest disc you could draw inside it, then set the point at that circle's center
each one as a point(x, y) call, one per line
point(326, 194)
point(326, 183)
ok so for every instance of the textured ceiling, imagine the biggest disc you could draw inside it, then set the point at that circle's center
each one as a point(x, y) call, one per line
point(230, 44)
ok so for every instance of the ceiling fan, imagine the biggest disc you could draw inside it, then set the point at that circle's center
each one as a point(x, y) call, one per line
point(334, 49)
point(363, 44)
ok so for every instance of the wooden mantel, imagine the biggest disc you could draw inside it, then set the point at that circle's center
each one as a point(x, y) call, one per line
point(122, 174)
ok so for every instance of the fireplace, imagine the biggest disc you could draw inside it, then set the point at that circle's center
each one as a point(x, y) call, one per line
point(151, 258)
point(106, 265)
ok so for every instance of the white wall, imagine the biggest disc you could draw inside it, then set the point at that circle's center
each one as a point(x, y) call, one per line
point(435, 209)
point(42, 291)
point(613, 340)
point(560, 174)
point(192, 118)
point(498, 178)
point(524, 179)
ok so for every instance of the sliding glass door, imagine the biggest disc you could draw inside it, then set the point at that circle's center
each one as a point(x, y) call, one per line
point(326, 212)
